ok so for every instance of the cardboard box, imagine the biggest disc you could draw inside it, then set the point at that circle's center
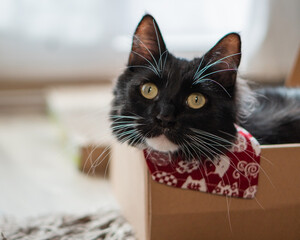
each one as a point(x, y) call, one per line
point(160, 212)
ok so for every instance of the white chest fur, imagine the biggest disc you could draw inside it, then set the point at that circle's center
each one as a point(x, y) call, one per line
point(162, 144)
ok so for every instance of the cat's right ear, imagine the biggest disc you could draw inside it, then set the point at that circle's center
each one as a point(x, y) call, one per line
point(225, 57)
point(148, 45)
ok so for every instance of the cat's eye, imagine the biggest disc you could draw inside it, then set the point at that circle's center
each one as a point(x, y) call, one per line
point(196, 100)
point(149, 90)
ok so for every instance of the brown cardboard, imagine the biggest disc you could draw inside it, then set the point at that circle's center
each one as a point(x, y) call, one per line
point(94, 159)
point(158, 212)
point(129, 179)
point(293, 79)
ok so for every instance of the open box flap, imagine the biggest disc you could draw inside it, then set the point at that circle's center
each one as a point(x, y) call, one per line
point(128, 174)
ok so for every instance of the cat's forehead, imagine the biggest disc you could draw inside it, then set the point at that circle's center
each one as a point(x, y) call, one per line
point(180, 71)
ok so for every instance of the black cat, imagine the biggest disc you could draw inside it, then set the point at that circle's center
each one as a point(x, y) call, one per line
point(175, 105)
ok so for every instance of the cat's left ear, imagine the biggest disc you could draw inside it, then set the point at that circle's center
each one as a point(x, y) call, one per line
point(225, 57)
point(148, 44)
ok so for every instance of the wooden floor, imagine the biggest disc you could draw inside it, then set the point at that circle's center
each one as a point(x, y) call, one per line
point(38, 174)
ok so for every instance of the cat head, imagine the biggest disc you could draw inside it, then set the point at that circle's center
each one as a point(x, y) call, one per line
point(174, 105)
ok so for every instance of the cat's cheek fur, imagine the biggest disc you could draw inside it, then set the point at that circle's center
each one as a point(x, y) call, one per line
point(162, 144)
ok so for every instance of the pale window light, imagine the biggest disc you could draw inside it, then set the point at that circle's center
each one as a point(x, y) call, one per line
point(69, 22)
point(71, 38)
point(190, 26)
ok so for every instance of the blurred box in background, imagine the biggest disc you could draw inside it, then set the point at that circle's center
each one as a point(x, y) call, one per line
point(82, 115)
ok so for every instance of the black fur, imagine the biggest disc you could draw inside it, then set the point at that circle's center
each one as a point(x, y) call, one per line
point(217, 115)
point(135, 118)
point(175, 83)
point(276, 118)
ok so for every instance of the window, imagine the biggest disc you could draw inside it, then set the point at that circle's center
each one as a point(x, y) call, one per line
point(90, 39)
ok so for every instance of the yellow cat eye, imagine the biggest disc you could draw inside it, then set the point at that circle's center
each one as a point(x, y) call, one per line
point(196, 100)
point(149, 90)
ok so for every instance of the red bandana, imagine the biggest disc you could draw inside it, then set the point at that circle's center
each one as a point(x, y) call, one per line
point(232, 174)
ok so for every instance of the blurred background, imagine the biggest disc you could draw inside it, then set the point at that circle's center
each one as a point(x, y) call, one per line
point(59, 60)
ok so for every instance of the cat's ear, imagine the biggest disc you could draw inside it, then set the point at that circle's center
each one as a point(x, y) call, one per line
point(229, 48)
point(225, 58)
point(148, 44)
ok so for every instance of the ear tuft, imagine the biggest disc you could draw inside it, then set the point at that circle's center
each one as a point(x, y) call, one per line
point(222, 61)
point(229, 48)
point(147, 44)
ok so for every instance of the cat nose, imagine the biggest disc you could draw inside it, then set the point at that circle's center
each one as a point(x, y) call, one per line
point(165, 120)
point(165, 117)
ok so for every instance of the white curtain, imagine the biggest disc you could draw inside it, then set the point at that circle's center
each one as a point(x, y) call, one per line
point(271, 40)
point(67, 39)
point(58, 39)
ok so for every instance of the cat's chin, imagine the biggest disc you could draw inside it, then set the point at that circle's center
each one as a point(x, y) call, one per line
point(161, 144)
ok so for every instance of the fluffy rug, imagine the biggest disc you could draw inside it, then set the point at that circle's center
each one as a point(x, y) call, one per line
point(105, 224)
